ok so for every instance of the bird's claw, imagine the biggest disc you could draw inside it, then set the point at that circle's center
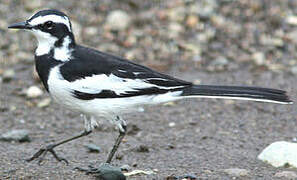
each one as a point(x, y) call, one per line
point(43, 151)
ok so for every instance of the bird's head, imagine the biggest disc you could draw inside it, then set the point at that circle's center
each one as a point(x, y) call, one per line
point(52, 29)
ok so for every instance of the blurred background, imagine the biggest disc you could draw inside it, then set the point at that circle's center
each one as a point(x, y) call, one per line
point(234, 42)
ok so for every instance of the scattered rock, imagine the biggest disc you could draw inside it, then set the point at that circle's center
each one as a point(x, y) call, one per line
point(125, 167)
point(8, 75)
point(19, 135)
point(25, 57)
point(91, 31)
point(221, 61)
point(219, 64)
point(292, 36)
point(286, 174)
point(118, 20)
point(236, 172)
point(44, 103)
point(171, 124)
point(192, 21)
point(190, 177)
point(280, 154)
point(294, 70)
point(259, 58)
point(133, 129)
point(292, 20)
point(185, 177)
point(175, 29)
point(93, 148)
point(142, 148)
point(108, 172)
point(205, 8)
point(33, 92)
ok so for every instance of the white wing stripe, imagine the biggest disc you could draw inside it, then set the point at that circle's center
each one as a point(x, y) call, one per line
point(97, 83)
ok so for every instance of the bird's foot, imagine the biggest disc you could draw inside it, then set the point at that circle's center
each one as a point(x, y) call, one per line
point(42, 153)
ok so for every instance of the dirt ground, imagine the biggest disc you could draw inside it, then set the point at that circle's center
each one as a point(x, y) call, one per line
point(195, 136)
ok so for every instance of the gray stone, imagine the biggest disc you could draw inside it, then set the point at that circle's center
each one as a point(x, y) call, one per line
point(259, 58)
point(93, 148)
point(8, 75)
point(294, 70)
point(108, 172)
point(125, 167)
point(220, 61)
point(44, 103)
point(286, 174)
point(118, 20)
point(236, 172)
point(19, 135)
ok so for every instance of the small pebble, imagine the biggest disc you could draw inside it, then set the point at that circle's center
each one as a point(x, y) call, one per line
point(91, 31)
point(292, 20)
point(294, 70)
point(236, 172)
point(8, 75)
point(259, 58)
point(108, 172)
point(118, 20)
point(44, 103)
point(142, 148)
point(192, 21)
point(19, 135)
point(33, 92)
point(93, 148)
point(125, 167)
point(172, 124)
point(286, 174)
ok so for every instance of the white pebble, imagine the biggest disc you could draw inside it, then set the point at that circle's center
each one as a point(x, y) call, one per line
point(236, 172)
point(34, 92)
point(280, 154)
point(172, 124)
point(286, 175)
point(292, 20)
point(118, 20)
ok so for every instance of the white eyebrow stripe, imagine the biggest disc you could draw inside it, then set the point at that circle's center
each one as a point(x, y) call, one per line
point(54, 18)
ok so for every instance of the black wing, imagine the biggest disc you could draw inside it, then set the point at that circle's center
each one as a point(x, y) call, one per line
point(93, 70)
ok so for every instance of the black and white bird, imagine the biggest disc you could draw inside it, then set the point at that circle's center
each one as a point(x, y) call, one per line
point(101, 85)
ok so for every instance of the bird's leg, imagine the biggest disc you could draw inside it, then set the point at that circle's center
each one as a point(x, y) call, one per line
point(122, 125)
point(89, 125)
point(122, 130)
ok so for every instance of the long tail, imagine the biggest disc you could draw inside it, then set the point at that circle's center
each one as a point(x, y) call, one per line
point(238, 92)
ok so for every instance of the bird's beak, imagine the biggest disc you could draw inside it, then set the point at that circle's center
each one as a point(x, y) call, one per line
point(20, 25)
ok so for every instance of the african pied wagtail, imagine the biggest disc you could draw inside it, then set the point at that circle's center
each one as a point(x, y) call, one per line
point(101, 85)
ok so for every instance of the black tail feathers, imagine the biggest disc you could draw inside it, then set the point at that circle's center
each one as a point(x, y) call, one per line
point(238, 92)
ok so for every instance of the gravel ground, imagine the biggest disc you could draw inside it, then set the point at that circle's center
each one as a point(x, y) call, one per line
point(205, 41)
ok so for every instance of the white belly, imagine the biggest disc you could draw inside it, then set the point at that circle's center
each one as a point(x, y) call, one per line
point(61, 91)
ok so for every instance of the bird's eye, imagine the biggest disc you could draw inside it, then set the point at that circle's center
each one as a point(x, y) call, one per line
point(48, 24)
